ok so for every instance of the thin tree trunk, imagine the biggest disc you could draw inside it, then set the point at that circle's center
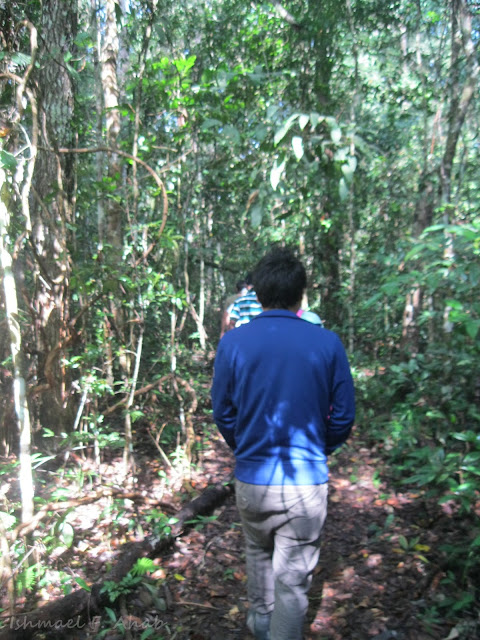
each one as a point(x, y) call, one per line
point(349, 177)
point(19, 386)
point(113, 212)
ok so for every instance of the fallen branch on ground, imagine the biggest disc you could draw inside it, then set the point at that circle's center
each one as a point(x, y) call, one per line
point(75, 609)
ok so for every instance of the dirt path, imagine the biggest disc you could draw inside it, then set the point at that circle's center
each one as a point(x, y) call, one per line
point(375, 579)
point(378, 578)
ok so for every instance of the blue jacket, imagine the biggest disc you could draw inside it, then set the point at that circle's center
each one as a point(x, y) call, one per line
point(283, 398)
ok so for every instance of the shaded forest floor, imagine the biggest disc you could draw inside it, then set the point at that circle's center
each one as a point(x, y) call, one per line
point(379, 576)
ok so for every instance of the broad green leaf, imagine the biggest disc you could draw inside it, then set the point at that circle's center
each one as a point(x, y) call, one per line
point(297, 144)
point(272, 111)
point(285, 128)
point(402, 541)
point(261, 132)
point(7, 520)
point(256, 215)
point(66, 534)
point(341, 155)
point(232, 133)
point(7, 160)
point(371, 301)
point(21, 59)
point(211, 122)
point(303, 120)
point(465, 436)
point(433, 16)
point(415, 251)
point(464, 231)
point(111, 614)
point(472, 327)
point(472, 458)
point(276, 173)
point(476, 542)
point(343, 189)
point(347, 172)
point(185, 64)
point(390, 288)
point(81, 582)
point(336, 134)
point(315, 118)
point(453, 304)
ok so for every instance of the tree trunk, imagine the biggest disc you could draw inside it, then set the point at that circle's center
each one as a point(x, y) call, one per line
point(19, 386)
point(113, 213)
point(52, 212)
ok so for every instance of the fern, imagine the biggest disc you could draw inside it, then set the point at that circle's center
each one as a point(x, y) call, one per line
point(142, 567)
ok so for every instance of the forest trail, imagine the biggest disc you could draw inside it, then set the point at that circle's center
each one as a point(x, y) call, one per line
point(378, 578)
point(377, 573)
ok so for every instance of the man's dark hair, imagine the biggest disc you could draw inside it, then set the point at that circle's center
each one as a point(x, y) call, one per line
point(279, 279)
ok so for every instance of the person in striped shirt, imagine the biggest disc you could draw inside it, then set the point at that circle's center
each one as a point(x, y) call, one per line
point(245, 306)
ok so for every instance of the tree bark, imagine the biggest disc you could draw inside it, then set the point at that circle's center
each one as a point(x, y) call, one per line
point(52, 210)
point(19, 385)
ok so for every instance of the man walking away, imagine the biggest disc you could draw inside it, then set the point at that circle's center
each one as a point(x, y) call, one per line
point(283, 399)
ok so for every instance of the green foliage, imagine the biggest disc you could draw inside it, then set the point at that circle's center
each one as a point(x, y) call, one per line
point(201, 521)
point(130, 582)
point(51, 539)
point(317, 130)
point(160, 523)
point(428, 425)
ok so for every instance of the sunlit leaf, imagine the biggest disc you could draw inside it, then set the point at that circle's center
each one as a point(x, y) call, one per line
point(347, 172)
point(315, 118)
point(66, 533)
point(453, 304)
point(421, 547)
point(336, 134)
point(7, 520)
point(297, 144)
point(276, 173)
point(285, 128)
point(343, 189)
point(303, 120)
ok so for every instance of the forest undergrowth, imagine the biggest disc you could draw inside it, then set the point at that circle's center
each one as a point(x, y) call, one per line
point(385, 571)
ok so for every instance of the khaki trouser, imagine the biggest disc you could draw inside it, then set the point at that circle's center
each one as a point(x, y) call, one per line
point(282, 526)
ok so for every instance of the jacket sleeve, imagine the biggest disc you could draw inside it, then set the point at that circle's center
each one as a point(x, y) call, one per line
point(224, 412)
point(342, 402)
